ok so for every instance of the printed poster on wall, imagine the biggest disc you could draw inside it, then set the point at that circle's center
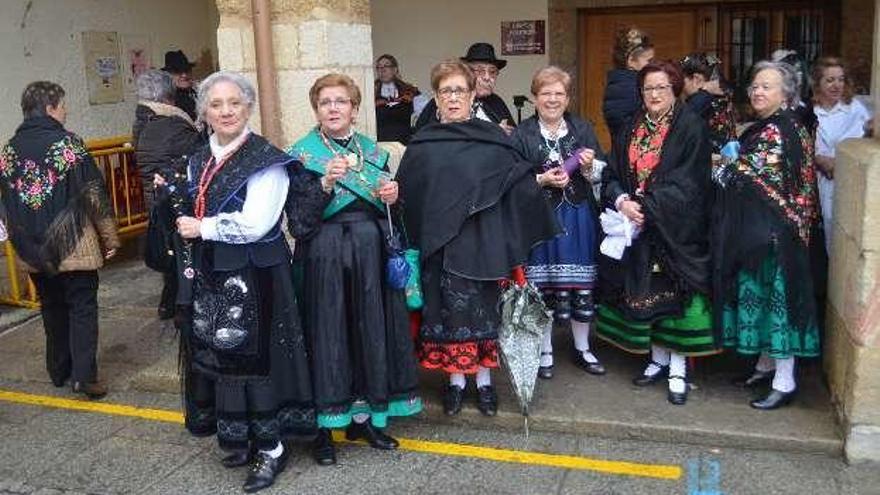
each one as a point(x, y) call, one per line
point(522, 37)
point(103, 67)
point(136, 55)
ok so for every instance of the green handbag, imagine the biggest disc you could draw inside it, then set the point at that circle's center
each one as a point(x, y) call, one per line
point(413, 290)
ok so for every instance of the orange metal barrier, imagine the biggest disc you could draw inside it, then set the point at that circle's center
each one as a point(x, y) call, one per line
point(115, 158)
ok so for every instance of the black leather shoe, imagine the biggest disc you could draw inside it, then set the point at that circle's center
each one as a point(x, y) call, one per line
point(645, 380)
point(487, 400)
point(591, 368)
point(675, 398)
point(755, 379)
point(237, 459)
point(264, 470)
point(562, 311)
point(59, 381)
point(323, 449)
point(452, 400)
point(92, 390)
point(545, 372)
point(374, 436)
point(774, 400)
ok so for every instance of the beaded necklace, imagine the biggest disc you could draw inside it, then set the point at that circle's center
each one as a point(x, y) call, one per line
point(207, 175)
point(554, 154)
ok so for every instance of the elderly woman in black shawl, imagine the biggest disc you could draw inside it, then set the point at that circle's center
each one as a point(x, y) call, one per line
point(471, 205)
point(654, 298)
point(245, 329)
point(60, 222)
point(768, 218)
point(564, 268)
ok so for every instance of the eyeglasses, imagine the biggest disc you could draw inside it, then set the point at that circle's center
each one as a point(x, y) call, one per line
point(493, 72)
point(341, 102)
point(385, 66)
point(449, 93)
point(656, 89)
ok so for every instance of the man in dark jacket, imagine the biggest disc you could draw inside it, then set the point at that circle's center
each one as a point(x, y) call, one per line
point(163, 136)
point(488, 106)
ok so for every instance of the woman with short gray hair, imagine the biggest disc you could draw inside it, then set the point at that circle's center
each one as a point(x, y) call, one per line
point(245, 88)
point(768, 213)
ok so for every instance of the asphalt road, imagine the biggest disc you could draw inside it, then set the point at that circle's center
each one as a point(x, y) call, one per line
point(51, 450)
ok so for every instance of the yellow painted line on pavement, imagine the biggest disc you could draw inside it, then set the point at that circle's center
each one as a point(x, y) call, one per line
point(89, 406)
point(659, 471)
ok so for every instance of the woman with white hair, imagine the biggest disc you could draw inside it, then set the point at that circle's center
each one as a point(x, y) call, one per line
point(767, 212)
point(245, 328)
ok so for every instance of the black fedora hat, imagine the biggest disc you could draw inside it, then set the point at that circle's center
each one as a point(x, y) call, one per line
point(177, 63)
point(483, 52)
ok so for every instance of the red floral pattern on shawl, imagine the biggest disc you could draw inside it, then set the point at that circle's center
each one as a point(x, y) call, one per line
point(646, 146)
point(764, 163)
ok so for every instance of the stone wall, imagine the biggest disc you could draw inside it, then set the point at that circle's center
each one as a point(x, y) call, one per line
point(852, 350)
point(310, 38)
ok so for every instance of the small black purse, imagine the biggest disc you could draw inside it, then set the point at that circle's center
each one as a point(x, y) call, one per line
point(159, 250)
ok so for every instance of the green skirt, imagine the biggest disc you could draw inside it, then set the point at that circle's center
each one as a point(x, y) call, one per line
point(690, 335)
point(758, 320)
point(407, 406)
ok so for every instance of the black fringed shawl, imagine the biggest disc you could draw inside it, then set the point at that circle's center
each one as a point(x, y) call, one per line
point(51, 188)
point(770, 207)
point(676, 203)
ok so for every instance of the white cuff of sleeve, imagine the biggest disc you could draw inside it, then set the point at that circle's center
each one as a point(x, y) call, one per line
point(208, 229)
point(620, 199)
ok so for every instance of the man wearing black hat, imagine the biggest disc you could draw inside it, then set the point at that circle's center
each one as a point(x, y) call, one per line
point(180, 69)
point(488, 106)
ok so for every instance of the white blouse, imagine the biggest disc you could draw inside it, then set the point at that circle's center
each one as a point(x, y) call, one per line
point(266, 195)
point(843, 121)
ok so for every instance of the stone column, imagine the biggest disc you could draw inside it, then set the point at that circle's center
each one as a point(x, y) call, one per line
point(310, 38)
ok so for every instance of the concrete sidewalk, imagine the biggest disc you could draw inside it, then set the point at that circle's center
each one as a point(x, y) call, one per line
point(138, 352)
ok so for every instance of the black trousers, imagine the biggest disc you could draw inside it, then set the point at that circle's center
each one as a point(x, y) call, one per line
point(69, 304)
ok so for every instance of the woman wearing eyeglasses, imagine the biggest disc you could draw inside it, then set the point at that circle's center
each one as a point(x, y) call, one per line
point(394, 101)
point(473, 208)
point(768, 220)
point(654, 299)
point(564, 268)
point(357, 327)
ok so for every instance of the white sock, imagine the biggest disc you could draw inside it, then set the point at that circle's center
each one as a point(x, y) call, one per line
point(457, 379)
point(783, 379)
point(276, 452)
point(547, 346)
point(484, 377)
point(677, 367)
point(765, 363)
point(660, 356)
point(581, 333)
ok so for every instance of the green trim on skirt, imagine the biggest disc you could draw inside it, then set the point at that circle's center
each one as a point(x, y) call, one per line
point(758, 321)
point(396, 408)
point(690, 335)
